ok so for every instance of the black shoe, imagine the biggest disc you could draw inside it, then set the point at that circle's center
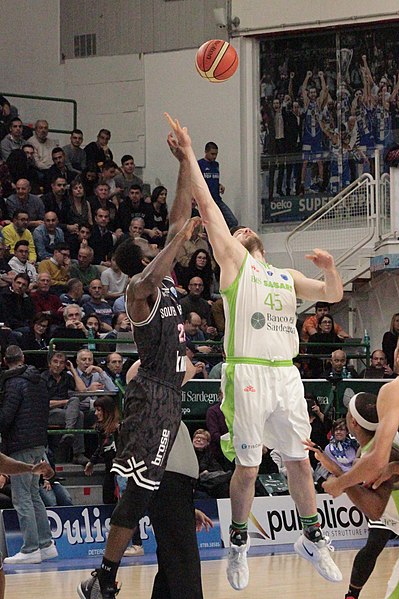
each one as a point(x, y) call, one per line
point(90, 589)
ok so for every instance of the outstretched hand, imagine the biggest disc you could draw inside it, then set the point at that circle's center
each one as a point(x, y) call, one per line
point(321, 259)
point(181, 133)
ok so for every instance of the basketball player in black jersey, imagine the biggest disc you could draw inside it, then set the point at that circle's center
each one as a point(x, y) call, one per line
point(152, 411)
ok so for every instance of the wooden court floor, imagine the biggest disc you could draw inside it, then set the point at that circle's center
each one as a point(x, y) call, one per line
point(283, 576)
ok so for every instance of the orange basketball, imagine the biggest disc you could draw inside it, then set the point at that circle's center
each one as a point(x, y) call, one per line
point(216, 60)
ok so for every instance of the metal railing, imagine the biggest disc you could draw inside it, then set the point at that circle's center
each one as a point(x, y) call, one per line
point(353, 211)
point(384, 221)
point(50, 99)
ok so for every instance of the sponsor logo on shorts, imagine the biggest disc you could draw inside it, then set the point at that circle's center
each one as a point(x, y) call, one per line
point(250, 446)
point(249, 389)
point(163, 445)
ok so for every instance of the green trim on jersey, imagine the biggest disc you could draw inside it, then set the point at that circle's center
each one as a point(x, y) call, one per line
point(228, 411)
point(230, 294)
point(259, 361)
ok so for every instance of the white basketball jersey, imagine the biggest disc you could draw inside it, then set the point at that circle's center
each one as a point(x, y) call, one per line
point(260, 312)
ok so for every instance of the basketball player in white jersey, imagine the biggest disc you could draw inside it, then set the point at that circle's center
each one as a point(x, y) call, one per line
point(263, 394)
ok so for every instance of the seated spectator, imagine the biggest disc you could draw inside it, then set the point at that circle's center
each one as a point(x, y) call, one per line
point(200, 265)
point(23, 200)
point(101, 199)
point(56, 201)
point(101, 239)
point(47, 236)
point(37, 339)
point(58, 168)
point(46, 302)
point(80, 240)
point(53, 493)
point(84, 270)
point(194, 302)
point(107, 176)
point(157, 217)
point(321, 426)
point(73, 328)
point(114, 369)
point(196, 242)
point(107, 426)
point(89, 179)
point(93, 325)
point(97, 152)
point(93, 377)
point(213, 480)
point(126, 178)
point(19, 263)
point(379, 367)
point(62, 380)
point(43, 145)
point(309, 326)
point(338, 364)
point(325, 334)
point(217, 427)
point(14, 140)
point(17, 231)
point(6, 274)
point(217, 314)
point(75, 156)
point(74, 293)
point(192, 327)
point(341, 449)
point(201, 371)
point(114, 281)
point(79, 210)
point(216, 371)
point(390, 339)
point(133, 206)
point(119, 305)
point(21, 164)
point(17, 308)
point(120, 324)
point(58, 267)
point(97, 305)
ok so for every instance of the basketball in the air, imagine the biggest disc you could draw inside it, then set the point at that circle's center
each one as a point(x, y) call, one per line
point(216, 60)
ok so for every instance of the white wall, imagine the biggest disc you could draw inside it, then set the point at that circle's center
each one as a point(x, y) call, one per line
point(210, 110)
point(280, 15)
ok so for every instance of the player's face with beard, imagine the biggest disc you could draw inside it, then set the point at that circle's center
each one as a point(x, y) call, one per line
point(250, 240)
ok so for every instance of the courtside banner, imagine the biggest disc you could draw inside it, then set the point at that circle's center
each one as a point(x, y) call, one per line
point(275, 520)
point(82, 531)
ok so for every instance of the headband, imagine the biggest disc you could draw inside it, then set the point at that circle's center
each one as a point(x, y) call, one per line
point(369, 426)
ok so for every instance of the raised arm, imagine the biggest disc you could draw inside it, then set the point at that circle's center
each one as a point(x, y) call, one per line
point(142, 290)
point(229, 253)
point(180, 211)
point(330, 290)
point(304, 90)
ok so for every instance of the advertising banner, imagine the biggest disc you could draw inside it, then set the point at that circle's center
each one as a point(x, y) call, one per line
point(82, 531)
point(275, 520)
point(197, 396)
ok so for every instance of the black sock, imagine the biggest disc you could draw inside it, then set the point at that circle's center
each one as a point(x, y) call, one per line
point(353, 592)
point(238, 536)
point(107, 573)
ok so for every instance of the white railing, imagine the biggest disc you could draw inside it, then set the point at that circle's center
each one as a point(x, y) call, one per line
point(384, 228)
point(346, 224)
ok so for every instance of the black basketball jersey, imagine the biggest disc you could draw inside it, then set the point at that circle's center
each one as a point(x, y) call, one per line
point(160, 339)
